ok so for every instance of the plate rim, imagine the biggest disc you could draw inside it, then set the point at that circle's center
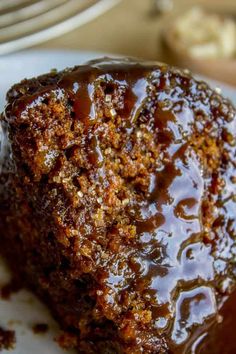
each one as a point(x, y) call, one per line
point(45, 54)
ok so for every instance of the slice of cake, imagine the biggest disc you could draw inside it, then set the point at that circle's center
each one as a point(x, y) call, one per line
point(118, 203)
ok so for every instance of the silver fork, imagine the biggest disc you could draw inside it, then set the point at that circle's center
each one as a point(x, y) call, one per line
point(24, 23)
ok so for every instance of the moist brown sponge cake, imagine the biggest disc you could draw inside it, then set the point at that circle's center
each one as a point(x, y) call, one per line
point(118, 203)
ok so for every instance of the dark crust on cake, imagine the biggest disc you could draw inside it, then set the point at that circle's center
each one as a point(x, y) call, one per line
point(95, 149)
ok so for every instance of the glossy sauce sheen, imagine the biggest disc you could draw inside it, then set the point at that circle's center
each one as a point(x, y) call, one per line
point(170, 263)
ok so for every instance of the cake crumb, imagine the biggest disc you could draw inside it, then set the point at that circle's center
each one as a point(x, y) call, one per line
point(67, 340)
point(8, 289)
point(7, 339)
point(40, 328)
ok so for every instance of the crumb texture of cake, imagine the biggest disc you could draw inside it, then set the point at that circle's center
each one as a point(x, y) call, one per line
point(118, 203)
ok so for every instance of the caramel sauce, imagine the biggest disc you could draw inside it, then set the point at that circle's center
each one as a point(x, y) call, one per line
point(221, 337)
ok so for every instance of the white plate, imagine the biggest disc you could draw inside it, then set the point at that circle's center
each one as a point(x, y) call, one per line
point(24, 310)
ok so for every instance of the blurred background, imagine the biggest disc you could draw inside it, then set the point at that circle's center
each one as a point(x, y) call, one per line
point(197, 34)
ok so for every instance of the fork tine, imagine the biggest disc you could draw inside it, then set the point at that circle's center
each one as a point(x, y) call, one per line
point(33, 10)
point(44, 26)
